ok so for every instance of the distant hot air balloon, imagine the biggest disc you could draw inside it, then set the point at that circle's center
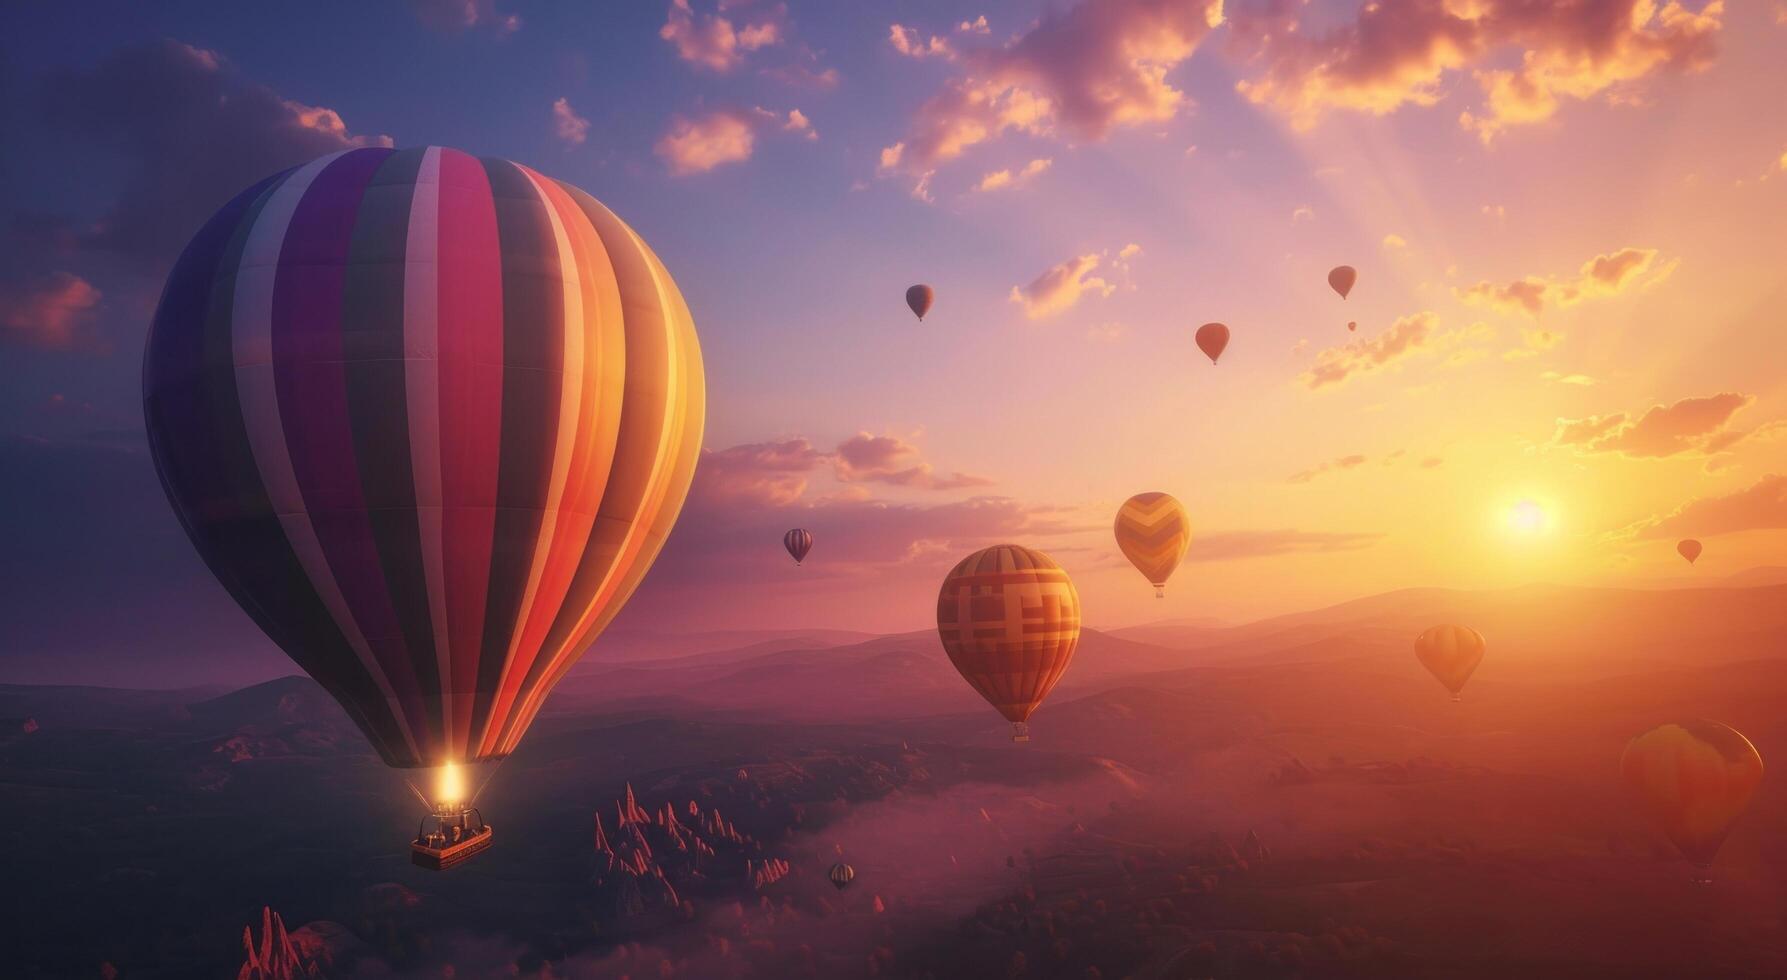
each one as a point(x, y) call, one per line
point(1451, 653)
point(1009, 619)
point(1694, 777)
point(1153, 531)
point(798, 542)
point(1352, 325)
point(919, 298)
point(1688, 548)
point(1212, 339)
point(1342, 277)
point(428, 418)
point(841, 875)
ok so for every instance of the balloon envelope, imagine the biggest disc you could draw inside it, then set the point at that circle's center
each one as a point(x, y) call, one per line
point(1451, 654)
point(841, 875)
point(1341, 278)
point(428, 418)
point(919, 298)
point(1153, 532)
point(1688, 548)
point(1009, 619)
point(1212, 339)
point(798, 542)
point(1352, 325)
point(1694, 777)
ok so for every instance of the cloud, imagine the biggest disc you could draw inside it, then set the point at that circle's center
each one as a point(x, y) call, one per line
point(1431, 462)
point(1060, 287)
point(570, 127)
point(49, 314)
point(713, 41)
point(759, 474)
point(1100, 65)
point(693, 146)
point(1408, 336)
point(1394, 242)
point(908, 43)
point(1691, 425)
point(1401, 52)
point(1761, 506)
point(453, 16)
point(187, 132)
point(1001, 179)
point(1601, 276)
point(1581, 380)
point(1303, 213)
point(1334, 465)
point(888, 459)
point(1233, 545)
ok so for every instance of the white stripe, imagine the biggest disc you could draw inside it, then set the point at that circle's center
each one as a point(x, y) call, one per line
point(569, 406)
point(422, 393)
point(251, 344)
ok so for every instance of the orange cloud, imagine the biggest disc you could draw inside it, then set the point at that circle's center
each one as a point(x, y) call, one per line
point(1400, 52)
point(1758, 507)
point(1691, 425)
point(1341, 463)
point(1601, 276)
point(766, 474)
point(570, 127)
point(713, 41)
point(1060, 287)
point(693, 146)
point(47, 315)
point(1099, 65)
point(1000, 179)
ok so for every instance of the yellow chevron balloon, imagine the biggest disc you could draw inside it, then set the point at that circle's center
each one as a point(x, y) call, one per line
point(1153, 530)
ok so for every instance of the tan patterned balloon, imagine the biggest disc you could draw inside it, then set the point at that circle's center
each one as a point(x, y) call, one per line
point(1009, 619)
point(1154, 532)
point(1451, 654)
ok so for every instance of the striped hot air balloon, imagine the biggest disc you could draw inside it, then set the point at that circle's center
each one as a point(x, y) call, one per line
point(798, 542)
point(1154, 532)
point(428, 418)
point(1451, 654)
point(1009, 619)
point(841, 875)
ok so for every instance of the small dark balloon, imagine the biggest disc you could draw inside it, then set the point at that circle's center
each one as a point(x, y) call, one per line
point(919, 298)
point(1689, 549)
point(798, 541)
point(841, 875)
point(1342, 277)
point(1351, 325)
point(1212, 339)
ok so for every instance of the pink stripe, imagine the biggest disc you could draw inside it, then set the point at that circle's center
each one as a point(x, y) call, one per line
point(421, 383)
point(470, 321)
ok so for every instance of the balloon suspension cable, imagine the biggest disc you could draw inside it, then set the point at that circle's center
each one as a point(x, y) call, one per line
point(1160, 591)
point(480, 791)
point(1457, 698)
point(412, 786)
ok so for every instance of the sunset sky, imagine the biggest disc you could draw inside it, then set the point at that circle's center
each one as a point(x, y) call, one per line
point(1568, 221)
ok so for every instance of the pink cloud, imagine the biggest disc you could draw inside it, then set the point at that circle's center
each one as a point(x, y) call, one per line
point(889, 459)
point(1341, 463)
point(1060, 286)
point(48, 314)
point(1402, 52)
point(570, 127)
point(1099, 65)
point(714, 41)
point(1406, 337)
point(460, 15)
point(722, 136)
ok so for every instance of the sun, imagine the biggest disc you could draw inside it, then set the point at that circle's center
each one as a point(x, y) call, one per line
point(1527, 517)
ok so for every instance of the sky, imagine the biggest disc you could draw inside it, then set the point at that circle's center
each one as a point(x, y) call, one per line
point(1566, 220)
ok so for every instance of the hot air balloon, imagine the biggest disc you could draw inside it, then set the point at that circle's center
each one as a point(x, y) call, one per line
point(1009, 619)
point(1342, 277)
point(1451, 654)
point(1688, 548)
point(919, 298)
point(841, 875)
point(1153, 531)
point(1694, 777)
point(798, 542)
point(1212, 338)
point(428, 418)
point(1352, 325)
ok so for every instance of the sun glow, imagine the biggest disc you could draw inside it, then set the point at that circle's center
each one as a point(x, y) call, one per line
point(1527, 517)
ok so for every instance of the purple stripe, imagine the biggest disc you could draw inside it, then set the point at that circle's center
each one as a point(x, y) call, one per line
point(310, 378)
